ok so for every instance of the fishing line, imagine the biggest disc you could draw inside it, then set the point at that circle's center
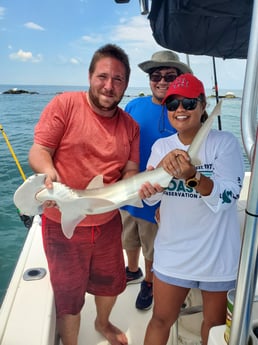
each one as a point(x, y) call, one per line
point(25, 219)
point(216, 89)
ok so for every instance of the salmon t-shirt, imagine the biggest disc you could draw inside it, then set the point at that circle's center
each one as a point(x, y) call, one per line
point(86, 145)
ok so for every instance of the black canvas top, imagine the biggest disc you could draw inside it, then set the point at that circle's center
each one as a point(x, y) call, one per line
point(219, 28)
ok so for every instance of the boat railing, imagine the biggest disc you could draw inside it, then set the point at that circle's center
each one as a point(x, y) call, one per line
point(247, 273)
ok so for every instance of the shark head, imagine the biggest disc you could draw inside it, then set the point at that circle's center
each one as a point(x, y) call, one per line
point(24, 197)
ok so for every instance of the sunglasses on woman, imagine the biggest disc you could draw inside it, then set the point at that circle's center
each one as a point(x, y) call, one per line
point(187, 103)
point(167, 77)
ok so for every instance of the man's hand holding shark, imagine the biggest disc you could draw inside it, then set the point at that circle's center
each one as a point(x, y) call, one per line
point(51, 175)
point(49, 185)
point(147, 189)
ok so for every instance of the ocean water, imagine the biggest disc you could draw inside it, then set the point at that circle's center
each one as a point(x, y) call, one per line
point(18, 116)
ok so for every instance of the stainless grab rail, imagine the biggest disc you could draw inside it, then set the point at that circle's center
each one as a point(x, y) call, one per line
point(250, 90)
point(247, 273)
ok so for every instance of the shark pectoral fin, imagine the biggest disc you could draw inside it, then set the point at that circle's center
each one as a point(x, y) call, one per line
point(136, 203)
point(96, 182)
point(69, 221)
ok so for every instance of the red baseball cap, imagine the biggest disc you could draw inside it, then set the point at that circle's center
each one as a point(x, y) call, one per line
point(185, 85)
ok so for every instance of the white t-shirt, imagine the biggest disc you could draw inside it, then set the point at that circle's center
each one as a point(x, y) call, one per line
point(199, 236)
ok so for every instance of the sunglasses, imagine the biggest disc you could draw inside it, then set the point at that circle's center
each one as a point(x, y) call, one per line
point(187, 103)
point(167, 77)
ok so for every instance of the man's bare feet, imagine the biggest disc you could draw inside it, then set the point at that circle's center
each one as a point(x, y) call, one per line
point(113, 334)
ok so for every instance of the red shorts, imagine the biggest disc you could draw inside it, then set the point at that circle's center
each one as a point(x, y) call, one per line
point(91, 261)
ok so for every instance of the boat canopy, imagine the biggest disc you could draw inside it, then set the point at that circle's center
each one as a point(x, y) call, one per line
point(218, 28)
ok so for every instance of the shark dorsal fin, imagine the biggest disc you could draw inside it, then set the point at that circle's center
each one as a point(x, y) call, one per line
point(96, 182)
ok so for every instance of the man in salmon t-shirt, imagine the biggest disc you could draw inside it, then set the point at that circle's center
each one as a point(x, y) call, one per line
point(81, 135)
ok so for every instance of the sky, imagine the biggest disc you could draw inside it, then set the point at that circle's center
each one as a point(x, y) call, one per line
point(51, 42)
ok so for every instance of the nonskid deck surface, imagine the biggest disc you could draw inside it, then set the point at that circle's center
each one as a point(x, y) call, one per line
point(124, 316)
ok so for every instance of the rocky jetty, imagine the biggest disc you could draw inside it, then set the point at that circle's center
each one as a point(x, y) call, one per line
point(16, 91)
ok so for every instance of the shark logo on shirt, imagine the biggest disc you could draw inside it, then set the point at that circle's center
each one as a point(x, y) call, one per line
point(227, 196)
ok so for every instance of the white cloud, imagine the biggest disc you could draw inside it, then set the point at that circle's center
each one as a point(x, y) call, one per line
point(92, 38)
point(25, 56)
point(136, 28)
point(63, 60)
point(33, 26)
point(123, 20)
point(135, 36)
point(75, 61)
point(2, 12)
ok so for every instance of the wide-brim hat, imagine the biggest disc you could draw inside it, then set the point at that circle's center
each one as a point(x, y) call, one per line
point(164, 58)
point(185, 85)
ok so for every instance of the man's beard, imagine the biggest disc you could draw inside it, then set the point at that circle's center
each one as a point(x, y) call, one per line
point(97, 104)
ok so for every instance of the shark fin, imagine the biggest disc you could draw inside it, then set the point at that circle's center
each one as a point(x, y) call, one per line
point(96, 182)
point(69, 224)
point(136, 203)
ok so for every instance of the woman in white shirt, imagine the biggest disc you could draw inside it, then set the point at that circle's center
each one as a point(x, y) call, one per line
point(198, 241)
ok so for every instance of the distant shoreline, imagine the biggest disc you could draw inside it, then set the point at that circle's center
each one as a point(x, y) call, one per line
point(131, 91)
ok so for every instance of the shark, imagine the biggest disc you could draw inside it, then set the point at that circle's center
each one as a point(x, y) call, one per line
point(98, 198)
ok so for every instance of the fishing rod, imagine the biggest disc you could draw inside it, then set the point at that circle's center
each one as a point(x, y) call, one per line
point(12, 152)
point(25, 219)
point(216, 90)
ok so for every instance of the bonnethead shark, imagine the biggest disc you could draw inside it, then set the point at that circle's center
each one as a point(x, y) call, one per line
point(75, 205)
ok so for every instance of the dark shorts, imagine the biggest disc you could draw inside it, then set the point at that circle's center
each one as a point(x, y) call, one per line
point(91, 261)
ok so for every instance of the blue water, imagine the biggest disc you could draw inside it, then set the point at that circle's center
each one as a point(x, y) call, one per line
point(18, 116)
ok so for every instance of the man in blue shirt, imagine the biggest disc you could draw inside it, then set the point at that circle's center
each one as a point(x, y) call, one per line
point(139, 224)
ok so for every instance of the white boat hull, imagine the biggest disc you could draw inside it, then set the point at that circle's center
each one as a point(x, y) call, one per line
point(28, 306)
